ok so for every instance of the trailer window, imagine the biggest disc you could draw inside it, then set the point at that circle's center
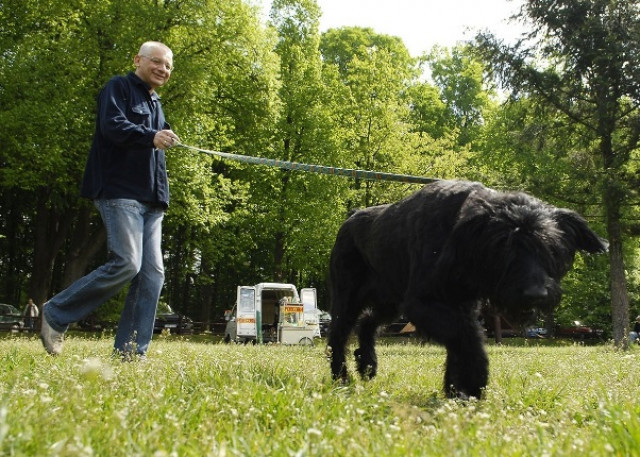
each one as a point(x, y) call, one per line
point(247, 300)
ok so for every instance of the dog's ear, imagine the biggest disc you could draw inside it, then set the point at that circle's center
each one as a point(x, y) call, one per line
point(578, 231)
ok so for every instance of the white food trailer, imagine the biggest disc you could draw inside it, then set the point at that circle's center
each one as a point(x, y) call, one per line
point(273, 312)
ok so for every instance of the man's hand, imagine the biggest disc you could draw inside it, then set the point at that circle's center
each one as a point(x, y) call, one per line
point(165, 139)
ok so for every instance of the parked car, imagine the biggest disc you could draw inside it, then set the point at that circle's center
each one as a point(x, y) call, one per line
point(536, 332)
point(507, 329)
point(167, 319)
point(10, 317)
point(578, 331)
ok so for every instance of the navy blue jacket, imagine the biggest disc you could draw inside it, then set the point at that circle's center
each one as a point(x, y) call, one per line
point(123, 163)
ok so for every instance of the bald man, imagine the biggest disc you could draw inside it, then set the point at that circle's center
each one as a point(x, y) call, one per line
point(126, 178)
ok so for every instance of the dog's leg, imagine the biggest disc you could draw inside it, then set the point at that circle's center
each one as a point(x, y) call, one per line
point(346, 278)
point(344, 315)
point(467, 369)
point(366, 359)
point(467, 366)
point(339, 331)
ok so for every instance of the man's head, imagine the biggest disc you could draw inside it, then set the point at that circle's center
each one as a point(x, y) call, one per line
point(154, 63)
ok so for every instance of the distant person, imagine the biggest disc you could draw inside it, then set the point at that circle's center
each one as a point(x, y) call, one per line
point(30, 313)
point(126, 177)
point(635, 333)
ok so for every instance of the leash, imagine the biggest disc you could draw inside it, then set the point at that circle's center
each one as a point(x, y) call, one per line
point(321, 169)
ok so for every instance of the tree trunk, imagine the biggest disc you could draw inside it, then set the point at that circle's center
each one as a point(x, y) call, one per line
point(614, 195)
point(550, 323)
point(619, 296)
point(50, 232)
point(618, 285)
point(278, 256)
point(85, 244)
point(17, 244)
point(207, 289)
point(279, 250)
point(497, 328)
point(206, 297)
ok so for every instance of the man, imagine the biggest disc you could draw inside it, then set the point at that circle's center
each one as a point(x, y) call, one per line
point(31, 314)
point(126, 177)
point(634, 335)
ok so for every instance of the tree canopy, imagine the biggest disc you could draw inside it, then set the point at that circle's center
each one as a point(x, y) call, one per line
point(563, 126)
point(580, 63)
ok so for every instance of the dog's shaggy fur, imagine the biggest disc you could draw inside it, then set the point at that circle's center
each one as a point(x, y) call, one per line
point(434, 256)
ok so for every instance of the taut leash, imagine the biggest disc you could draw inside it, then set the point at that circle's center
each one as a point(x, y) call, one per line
point(321, 169)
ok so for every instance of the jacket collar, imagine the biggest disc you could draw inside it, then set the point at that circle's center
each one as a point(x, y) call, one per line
point(136, 80)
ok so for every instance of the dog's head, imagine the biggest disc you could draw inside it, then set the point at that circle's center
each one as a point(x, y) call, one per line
point(513, 250)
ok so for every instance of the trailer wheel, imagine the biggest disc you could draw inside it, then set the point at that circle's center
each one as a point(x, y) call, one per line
point(306, 341)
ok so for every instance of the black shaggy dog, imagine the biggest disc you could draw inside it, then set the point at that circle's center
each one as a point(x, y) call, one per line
point(434, 256)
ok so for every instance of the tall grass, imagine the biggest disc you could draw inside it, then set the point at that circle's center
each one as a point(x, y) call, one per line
point(199, 399)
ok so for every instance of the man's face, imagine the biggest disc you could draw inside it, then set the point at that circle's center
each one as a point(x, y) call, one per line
point(154, 67)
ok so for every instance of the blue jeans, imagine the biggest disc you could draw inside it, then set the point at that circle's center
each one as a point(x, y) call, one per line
point(134, 232)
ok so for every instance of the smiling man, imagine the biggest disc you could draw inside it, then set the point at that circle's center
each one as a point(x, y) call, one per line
point(126, 177)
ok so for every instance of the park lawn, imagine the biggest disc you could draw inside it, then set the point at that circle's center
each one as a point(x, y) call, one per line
point(202, 399)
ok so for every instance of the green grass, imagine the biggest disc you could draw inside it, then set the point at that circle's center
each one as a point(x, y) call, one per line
point(192, 398)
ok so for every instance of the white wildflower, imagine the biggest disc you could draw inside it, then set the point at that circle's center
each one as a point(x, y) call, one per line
point(94, 368)
point(4, 428)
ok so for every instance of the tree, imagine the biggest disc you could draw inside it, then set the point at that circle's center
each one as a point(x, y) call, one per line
point(47, 97)
point(581, 59)
point(459, 76)
point(55, 56)
point(376, 72)
point(223, 99)
point(298, 210)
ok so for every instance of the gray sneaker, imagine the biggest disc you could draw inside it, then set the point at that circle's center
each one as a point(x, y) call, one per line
point(51, 339)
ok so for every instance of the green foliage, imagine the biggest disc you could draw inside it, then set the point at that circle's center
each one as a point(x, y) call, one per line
point(43, 123)
point(198, 399)
point(374, 118)
point(459, 76)
point(348, 97)
point(585, 297)
point(579, 67)
point(429, 113)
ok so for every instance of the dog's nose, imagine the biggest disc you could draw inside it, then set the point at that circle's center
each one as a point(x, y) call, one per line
point(535, 293)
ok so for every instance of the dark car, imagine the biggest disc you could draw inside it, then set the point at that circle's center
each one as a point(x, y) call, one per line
point(10, 317)
point(536, 332)
point(167, 319)
point(578, 331)
point(507, 329)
